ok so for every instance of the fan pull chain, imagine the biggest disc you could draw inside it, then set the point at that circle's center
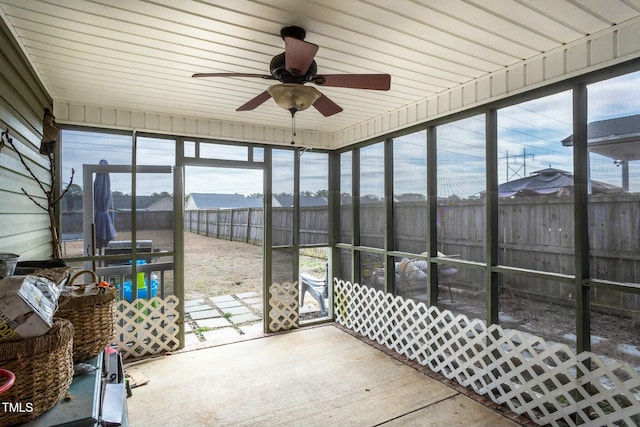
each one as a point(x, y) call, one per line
point(293, 126)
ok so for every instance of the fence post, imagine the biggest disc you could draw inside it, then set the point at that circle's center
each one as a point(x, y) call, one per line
point(217, 223)
point(246, 237)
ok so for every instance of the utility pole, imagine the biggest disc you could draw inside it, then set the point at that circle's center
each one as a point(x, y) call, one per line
point(514, 169)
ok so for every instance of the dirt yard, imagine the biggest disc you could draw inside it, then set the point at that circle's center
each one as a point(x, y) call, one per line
point(220, 267)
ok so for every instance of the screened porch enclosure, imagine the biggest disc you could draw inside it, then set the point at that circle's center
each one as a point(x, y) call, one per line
point(144, 259)
point(551, 274)
point(135, 250)
point(535, 291)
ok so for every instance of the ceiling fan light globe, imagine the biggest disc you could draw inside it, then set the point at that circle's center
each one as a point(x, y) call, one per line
point(294, 96)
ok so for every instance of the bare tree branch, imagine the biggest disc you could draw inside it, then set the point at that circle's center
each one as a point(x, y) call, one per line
point(34, 200)
point(51, 200)
point(66, 188)
point(24, 163)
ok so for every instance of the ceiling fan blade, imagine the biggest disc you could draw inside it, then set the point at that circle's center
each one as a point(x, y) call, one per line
point(255, 102)
point(261, 76)
point(298, 55)
point(355, 81)
point(326, 106)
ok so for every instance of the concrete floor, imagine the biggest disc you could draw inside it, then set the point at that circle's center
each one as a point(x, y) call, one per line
point(227, 319)
point(315, 376)
point(223, 319)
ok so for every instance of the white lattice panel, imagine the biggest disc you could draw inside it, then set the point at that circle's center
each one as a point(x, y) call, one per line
point(547, 382)
point(283, 306)
point(147, 326)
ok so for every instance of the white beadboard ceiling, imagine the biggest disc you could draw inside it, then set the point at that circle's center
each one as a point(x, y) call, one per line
point(140, 54)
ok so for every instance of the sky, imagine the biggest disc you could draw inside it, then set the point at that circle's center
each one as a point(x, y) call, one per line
point(529, 139)
point(529, 136)
point(223, 180)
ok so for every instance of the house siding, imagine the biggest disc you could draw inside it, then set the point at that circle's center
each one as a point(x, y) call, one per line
point(24, 227)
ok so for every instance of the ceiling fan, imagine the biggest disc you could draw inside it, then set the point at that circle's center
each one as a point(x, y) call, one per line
point(295, 67)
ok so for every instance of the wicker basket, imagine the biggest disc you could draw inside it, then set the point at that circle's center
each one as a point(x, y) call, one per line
point(43, 367)
point(93, 316)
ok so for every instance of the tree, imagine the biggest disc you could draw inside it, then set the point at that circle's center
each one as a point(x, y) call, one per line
point(74, 192)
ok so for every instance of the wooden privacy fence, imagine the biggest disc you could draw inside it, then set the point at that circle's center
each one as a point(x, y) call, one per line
point(247, 224)
point(535, 233)
point(538, 233)
point(145, 220)
point(240, 225)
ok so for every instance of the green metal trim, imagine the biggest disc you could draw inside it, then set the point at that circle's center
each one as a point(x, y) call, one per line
point(402, 254)
point(134, 213)
point(129, 169)
point(432, 212)
point(581, 216)
point(334, 224)
point(370, 250)
point(178, 236)
point(267, 237)
point(355, 216)
point(241, 164)
point(296, 225)
point(456, 262)
point(491, 255)
point(389, 227)
point(537, 274)
point(631, 288)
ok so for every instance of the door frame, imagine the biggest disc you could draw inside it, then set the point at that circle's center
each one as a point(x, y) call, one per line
point(218, 164)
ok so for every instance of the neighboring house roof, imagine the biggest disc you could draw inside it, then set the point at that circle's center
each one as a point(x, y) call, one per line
point(549, 181)
point(221, 201)
point(305, 201)
point(614, 138)
point(165, 204)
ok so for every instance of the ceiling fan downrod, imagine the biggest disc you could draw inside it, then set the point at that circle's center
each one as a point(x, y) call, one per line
point(293, 125)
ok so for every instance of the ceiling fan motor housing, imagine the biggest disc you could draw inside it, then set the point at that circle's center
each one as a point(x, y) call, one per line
point(280, 73)
point(293, 31)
